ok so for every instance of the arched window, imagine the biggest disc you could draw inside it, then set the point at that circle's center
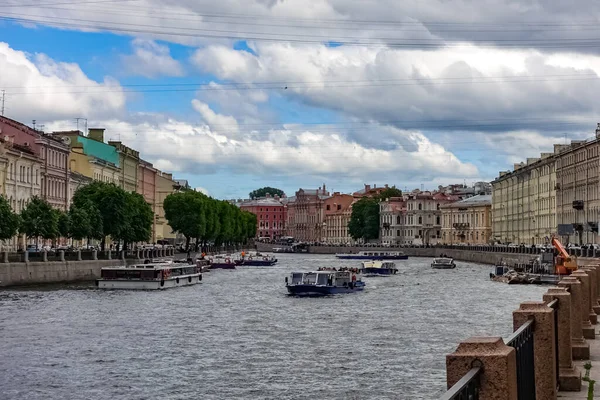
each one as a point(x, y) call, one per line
point(398, 220)
point(420, 220)
point(420, 206)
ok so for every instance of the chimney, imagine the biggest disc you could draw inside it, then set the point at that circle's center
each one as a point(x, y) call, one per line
point(96, 134)
point(324, 189)
point(375, 186)
point(598, 131)
point(367, 187)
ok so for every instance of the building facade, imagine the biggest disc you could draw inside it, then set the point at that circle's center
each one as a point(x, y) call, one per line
point(76, 181)
point(305, 215)
point(423, 224)
point(91, 157)
point(392, 215)
point(22, 180)
point(54, 155)
point(467, 221)
point(524, 201)
point(337, 210)
point(577, 189)
point(270, 216)
point(129, 160)
point(165, 185)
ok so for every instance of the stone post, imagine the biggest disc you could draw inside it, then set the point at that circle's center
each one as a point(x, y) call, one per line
point(94, 254)
point(543, 345)
point(26, 257)
point(5, 257)
point(44, 256)
point(596, 302)
point(569, 376)
point(61, 254)
point(109, 254)
point(579, 346)
point(591, 271)
point(79, 255)
point(499, 377)
point(123, 255)
point(586, 325)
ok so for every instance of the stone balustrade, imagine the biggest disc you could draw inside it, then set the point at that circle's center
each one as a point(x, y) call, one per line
point(558, 330)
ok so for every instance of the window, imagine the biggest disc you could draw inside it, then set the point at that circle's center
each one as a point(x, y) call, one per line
point(438, 206)
point(398, 221)
point(437, 220)
point(339, 207)
point(398, 232)
point(420, 206)
point(420, 220)
point(328, 207)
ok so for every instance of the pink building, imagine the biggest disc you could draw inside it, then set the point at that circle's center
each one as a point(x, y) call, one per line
point(306, 216)
point(270, 216)
point(54, 155)
point(146, 186)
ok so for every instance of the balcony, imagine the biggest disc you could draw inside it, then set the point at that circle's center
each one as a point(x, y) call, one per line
point(578, 204)
point(386, 225)
point(460, 225)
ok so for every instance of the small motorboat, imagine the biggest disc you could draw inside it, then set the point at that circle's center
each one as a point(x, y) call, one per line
point(256, 260)
point(323, 283)
point(443, 263)
point(222, 262)
point(378, 268)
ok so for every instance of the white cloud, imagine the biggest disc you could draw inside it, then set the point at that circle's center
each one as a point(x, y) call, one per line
point(202, 190)
point(151, 60)
point(38, 87)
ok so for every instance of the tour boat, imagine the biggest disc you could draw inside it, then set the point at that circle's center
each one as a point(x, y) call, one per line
point(222, 262)
point(323, 283)
point(256, 260)
point(376, 268)
point(149, 276)
point(443, 263)
point(374, 255)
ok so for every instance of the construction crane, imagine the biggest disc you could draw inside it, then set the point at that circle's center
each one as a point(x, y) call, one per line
point(564, 263)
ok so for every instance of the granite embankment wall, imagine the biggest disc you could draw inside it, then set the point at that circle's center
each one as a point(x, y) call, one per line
point(475, 256)
point(32, 273)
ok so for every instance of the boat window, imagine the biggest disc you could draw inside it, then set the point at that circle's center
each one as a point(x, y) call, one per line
point(322, 279)
point(310, 279)
point(297, 278)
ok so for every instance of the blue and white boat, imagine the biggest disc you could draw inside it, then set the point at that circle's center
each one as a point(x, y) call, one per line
point(323, 283)
point(374, 255)
point(378, 268)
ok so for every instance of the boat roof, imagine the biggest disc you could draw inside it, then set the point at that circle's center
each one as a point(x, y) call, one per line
point(154, 266)
point(320, 272)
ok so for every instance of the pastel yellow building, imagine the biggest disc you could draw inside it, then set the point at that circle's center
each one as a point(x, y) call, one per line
point(165, 185)
point(129, 161)
point(524, 201)
point(467, 221)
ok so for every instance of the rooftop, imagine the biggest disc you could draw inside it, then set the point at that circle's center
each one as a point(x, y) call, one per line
point(479, 200)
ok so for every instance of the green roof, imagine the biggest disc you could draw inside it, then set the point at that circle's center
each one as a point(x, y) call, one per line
point(99, 150)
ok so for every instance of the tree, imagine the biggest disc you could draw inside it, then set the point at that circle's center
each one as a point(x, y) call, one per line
point(80, 227)
point(64, 224)
point(139, 219)
point(262, 192)
point(186, 213)
point(38, 219)
point(9, 221)
point(364, 221)
point(390, 192)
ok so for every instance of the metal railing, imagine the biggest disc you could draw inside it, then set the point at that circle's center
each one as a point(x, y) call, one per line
point(522, 341)
point(467, 388)
point(554, 304)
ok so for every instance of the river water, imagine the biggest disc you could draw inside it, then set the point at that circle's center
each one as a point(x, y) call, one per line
point(239, 336)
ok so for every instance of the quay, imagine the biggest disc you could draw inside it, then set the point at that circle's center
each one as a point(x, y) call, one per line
point(554, 340)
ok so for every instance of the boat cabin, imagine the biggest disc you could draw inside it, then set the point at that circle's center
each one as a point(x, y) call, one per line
point(147, 271)
point(322, 278)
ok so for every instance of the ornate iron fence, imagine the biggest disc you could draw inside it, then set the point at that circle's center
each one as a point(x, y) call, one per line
point(522, 341)
point(467, 388)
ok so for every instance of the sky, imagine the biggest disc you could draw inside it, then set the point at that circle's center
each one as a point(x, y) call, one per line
point(239, 94)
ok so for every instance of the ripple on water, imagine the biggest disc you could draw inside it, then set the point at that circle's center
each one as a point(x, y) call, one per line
point(239, 336)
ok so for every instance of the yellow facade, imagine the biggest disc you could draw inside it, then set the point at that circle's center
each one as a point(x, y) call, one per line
point(164, 186)
point(524, 202)
point(577, 184)
point(467, 221)
point(129, 161)
point(92, 167)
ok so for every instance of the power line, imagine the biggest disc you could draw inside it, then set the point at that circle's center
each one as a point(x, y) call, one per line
point(356, 41)
point(42, 5)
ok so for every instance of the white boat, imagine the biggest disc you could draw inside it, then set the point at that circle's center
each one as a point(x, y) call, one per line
point(374, 255)
point(443, 263)
point(375, 268)
point(149, 276)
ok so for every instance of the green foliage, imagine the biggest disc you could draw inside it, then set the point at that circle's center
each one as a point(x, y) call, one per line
point(80, 227)
point(139, 218)
point(9, 221)
point(262, 192)
point(64, 223)
point(364, 221)
point(389, 193)
point(197, 216)
point(38, 219)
